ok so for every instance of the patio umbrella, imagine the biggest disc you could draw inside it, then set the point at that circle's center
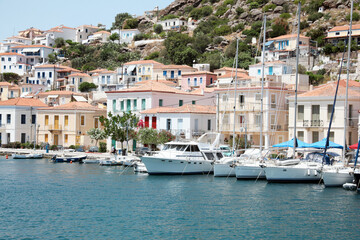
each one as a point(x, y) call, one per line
point(354, 146)
point(290, 143)
point(321, 144)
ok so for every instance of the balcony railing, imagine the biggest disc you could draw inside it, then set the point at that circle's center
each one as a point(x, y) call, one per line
point(313, 123)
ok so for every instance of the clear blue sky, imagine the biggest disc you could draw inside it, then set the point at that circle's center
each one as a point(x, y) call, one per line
point(44, 14)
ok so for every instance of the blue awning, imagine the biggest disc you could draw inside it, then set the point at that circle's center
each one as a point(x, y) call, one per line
point(268, 43)
point(321, 144)
point(290, 143)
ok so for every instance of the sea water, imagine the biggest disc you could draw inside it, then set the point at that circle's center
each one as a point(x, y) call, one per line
point(43, 200)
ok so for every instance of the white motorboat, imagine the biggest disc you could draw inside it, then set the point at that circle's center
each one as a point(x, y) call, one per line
point(128, 160)
point(27, 156)
point(91, 161)
point(140, 167)
point(108, 162)
point(193, 157)
point(337, 176)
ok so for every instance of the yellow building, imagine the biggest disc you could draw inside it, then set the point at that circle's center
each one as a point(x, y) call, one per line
point(67, 124)
point(8, 91)
point(340, 33)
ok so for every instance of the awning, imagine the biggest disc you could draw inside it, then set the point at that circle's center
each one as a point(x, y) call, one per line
point(290, 143)
point(131, 68)
point(53, 96)
point(268, 43)
point(31, 50)
point(80, 99)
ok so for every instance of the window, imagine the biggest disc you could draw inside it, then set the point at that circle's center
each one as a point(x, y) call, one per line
point(211, 80)
point(128, 105)
point(46, 120)
point(195, 81)
point(242, 120)
point(114, 105)
point(332, 136)
point(301, 135)
point(135, 105)
point(66, 121)
point(143, 104)
point(122, 105)
point(273, 121)
point(257, 97)
point(201, 80)
point(315, 137)
point(209, 124)
point(80, 79)
point(300, 116)
point(23, 119)
point(315, 113)
point(193, 102)
point(96, 122)
point(242, 100)
point(273, 100)
point(2, 59)
point(82, 120)
point(180, 103)
point(259, 71)
point(50, 74)
point(33, 119)
point(20, 66)
point(225, 119)
point(9, 59)
point(329, 111)
point(168, 124)
point(180, 124)
point(46, 138)
point(188, 81)
point(350, 112)
point(225, 98)
point(179, 73)
point(164, 73)
point(257, 120)
point(23, 137)
point(0, 120)
point(337, 33)
point(43, 74)
point(160, 102)
point(4, 67)
point(66, 138)
point(8, 118)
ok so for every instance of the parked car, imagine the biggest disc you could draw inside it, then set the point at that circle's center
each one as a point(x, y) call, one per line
point(80, 149)
point(142, 151)
point(94, 149)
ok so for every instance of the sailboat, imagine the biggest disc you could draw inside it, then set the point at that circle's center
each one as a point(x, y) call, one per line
point(251, 168)
point(303, 171)
point(338, 175)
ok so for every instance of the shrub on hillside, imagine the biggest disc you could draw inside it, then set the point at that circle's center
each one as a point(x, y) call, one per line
point(269, 7)
point(239, 10)
point(315, 16)
point(222, 30)
point(221, 10)
point(355, 17)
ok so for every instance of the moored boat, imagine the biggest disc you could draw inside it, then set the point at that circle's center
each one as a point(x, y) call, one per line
point(27, 156)
point(68, 159)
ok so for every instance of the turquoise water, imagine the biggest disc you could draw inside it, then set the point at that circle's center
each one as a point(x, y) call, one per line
point(42, 200)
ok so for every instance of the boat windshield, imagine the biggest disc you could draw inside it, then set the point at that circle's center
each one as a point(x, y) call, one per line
point(176, 147)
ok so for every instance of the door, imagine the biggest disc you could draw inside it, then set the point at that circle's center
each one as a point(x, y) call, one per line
point(56, 122)
point(56, 139)
point(271, 71)
point(146, 122)
point(172, 74)
point(196, 128)
point(153, 122)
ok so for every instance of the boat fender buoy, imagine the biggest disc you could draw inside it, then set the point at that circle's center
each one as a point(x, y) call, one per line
point(308, 172)
point(315, 173)
point(70, 161)
point(7, 156)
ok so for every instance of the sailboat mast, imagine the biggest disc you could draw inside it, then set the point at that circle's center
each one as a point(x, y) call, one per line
point(236, 70)
point(347, 82)
point(297, 75)
point(262, 86)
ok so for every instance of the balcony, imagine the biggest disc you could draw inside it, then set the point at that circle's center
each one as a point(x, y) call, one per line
point(276, 127)
point(313, 123)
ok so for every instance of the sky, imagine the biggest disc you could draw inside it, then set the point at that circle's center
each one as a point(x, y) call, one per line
point(19, 15)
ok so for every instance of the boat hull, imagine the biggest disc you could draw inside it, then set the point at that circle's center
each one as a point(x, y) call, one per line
point(27, 156)
point(249, 172)
point(68, 159)
point(292, 175)
point(223, 170)
point(336, 179)
point(165, 166)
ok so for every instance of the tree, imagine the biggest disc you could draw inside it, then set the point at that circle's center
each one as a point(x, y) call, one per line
point(165, 136)
point(148, 136)
point(10, 77)
point(120, 128)
point(115, 36)
point(131, 23)
point(52, 58)
point(59, 42)
point(120, 19)
point(86, 87)
point(96, 134)
point(279, 27)
point(158, 28)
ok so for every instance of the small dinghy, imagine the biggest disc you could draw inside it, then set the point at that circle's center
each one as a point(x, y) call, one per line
point(27, 156)
point(68, 159)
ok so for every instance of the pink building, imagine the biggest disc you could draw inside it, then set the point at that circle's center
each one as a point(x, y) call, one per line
point(197, 80)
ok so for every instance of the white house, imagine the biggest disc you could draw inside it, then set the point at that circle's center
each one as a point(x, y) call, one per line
point(75, 79)
point(49, 36)
point(101, 36)
point(188, 120)
point(125, 35)
point(12, 42)
point(172, 24)
point(314, 112)
point(270, 68)
point(84, 31)
point(13, 62)
point(18, 119)
point(137, 71)
point(105, 80)
point(35, 54)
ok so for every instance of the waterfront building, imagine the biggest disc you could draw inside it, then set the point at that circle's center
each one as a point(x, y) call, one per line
point(125, 35)
point(228, 78)
point(14, 63)
point(314, 111)
point(67, 124)
point(137, 71)
point(188, 121)
point(35, 54)
point(74, 80)
point(18, 119)
point(170, 72)
point(56, 98)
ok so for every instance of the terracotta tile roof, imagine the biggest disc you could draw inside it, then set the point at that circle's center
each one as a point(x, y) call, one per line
point(287, 36)
point(199, 73)
point(107, 72)
point(62, 93)
point(14, 87)
point(232, 75)
point(188, 108)
point(173, 66)
point(11, 54)
point(143, 62)
point(88, 26)
point(59, 68)
point(200, 90)
point(329, 89)
point(169, 83)
point(230, 69)
point(32, 46)
point(152, 86)
point(270, 63)
point(5, 84)
point(75, 106)
point(344, 28)
point(23, 102)
point(79, 75)
point(98, 70)
point(18, 37)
